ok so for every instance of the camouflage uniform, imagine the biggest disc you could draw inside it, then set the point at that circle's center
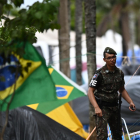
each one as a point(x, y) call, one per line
point(107, 85)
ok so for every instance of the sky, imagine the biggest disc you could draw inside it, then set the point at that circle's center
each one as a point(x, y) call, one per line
point(29, 2)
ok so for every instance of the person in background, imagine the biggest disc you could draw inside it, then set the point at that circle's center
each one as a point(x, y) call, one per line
point(104, 88)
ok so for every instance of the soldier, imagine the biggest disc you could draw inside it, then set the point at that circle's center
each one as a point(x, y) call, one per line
point(106, 83)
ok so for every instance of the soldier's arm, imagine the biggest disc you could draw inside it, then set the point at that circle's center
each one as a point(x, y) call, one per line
point(126, 96)
point(94, 84)
point(92, 99)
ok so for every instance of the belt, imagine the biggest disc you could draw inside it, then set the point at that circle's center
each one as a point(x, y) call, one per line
point(108, 104)
point(104, 103)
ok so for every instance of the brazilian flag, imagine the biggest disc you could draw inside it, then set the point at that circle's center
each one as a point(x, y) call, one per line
point(33, 83)
point(66, 91)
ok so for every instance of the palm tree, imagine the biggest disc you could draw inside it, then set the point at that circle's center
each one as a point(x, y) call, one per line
point(118, 18)
point(117, 13)
point(90, 23)
point(64, 41)
point(138, 30)
point(78, 30)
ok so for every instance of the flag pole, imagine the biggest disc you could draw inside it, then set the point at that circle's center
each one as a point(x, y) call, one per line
point(91, 133)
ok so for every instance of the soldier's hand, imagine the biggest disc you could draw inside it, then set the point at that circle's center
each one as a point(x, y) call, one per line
point(98, 112)
point(132, 107)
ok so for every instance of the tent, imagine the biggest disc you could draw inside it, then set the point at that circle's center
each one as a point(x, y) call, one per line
point(25, 123)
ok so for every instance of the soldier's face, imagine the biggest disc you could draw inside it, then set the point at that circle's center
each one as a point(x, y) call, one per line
point(110, 59)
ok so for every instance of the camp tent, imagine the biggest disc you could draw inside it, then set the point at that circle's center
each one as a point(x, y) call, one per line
point(25, 123)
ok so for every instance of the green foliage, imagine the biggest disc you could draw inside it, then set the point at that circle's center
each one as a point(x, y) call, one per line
point(106, 6)
point(2, 3)
point(17, 3)
point(24, 25)
point(72, 12)
point(14, 12)
point(115, 9)
point(101, 9)
point(99, 16)
point(43, 13)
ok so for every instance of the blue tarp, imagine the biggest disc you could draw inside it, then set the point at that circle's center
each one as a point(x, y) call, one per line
point(129, 54)
point(137, 137)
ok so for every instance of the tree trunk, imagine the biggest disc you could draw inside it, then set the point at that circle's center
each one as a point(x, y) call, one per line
point(90, 22)
point(124, 27)
point(64, 43)
point(139, 31)
point(103, 26)
point(78, 30)
point(132, 35)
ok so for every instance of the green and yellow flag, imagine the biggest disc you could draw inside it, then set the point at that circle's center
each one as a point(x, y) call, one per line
point(33, 84)
point(66, 91)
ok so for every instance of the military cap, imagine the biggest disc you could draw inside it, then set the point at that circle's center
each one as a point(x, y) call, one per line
point(109, 50)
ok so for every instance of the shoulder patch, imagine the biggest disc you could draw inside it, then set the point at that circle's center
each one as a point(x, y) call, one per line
point(95, 76)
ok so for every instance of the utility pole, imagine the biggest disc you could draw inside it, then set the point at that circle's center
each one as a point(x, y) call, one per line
point(90, 23)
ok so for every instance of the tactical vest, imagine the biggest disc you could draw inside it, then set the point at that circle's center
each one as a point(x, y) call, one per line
point(109, 85)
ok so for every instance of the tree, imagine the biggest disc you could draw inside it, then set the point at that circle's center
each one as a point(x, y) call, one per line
point(124, 26)
point(78, 30)
point(25, 23)
point(117, 17)
point(64, 43)
point(90, 22)
point(73, 18)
